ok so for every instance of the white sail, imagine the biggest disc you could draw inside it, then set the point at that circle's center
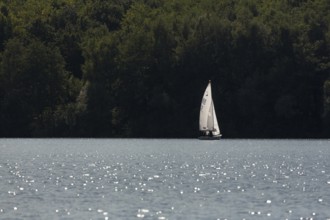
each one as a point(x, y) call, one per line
point(207, 117)
point(216, 130)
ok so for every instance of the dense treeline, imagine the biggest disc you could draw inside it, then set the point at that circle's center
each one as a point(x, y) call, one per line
point(124, 68)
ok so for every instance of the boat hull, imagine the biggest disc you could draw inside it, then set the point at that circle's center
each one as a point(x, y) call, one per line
point(209, 137)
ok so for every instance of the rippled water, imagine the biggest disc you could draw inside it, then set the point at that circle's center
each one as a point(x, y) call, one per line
point(164, 179)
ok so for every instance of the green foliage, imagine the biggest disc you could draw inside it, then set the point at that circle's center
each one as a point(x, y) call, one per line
point(127, 68)
point(33, 80)
point(326, 115)
point(5, 25)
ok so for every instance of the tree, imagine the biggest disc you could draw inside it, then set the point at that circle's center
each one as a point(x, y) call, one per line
point(123, 68)
point(34, 79)
point(5, 26)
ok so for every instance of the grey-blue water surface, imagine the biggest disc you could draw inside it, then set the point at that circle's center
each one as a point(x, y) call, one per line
point(164, 179)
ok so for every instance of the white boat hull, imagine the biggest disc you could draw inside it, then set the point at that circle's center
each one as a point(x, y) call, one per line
point(218, 137)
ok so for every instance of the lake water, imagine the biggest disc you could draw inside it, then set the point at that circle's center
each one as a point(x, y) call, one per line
point(164, 179)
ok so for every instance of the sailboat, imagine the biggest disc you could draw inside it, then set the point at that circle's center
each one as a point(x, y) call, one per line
point(208, 123)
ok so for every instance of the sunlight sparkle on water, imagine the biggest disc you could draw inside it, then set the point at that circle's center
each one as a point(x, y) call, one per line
point(179, 179)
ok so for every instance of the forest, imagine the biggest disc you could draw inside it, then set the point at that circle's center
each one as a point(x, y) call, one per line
point(138, 68)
